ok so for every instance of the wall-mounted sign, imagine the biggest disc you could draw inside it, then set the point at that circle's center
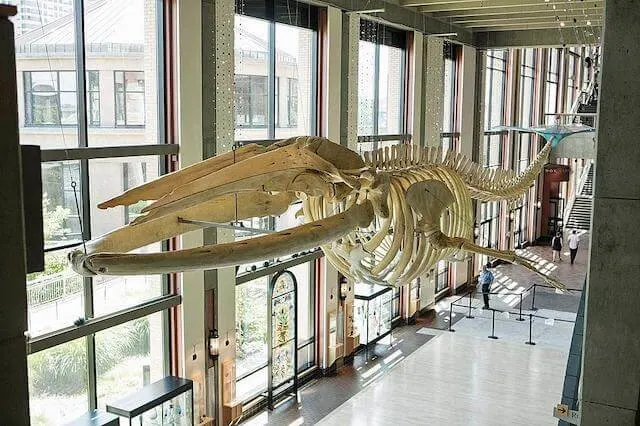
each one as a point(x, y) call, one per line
point(557, 172)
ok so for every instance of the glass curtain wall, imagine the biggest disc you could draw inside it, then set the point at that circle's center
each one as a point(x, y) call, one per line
point(381, 86)
point(552, 79)
point(450, 130)
point(276, 49)
point(493, 142)
point(572, 75)
point(525, 141)
point(275, 97)
point(76, 92)
point(252, 328)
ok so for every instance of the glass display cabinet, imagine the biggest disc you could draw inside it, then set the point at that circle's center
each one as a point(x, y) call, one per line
point(166, 402)
point(373, 311)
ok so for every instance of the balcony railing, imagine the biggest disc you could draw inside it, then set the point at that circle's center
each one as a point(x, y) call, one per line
point(50, 288)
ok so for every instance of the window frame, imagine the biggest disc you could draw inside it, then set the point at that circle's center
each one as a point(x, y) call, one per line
point(28, 95)
point(124, 93)
point(83, 153)
point(394, 38)
point(274, 12)
point(452, 55)
point(270, 272)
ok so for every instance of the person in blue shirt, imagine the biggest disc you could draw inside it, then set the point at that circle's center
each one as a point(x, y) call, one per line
point(486, 279)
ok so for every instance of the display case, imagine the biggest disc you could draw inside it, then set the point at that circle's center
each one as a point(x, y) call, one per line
point(373, 311)
point(166, 402)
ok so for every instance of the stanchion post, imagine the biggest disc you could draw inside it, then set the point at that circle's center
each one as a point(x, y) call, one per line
point(450, 316)
point(520, 310)
point(530, 342)
point(470, 316)
point(493, 324)
point(533, 298)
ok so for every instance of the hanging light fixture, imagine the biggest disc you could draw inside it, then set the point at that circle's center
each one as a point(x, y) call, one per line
point(214, 344)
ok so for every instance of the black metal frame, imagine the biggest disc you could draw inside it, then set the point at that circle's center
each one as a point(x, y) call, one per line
point(382, 35)
point(83, 153)
point(270, 271)
point(303, 15)
point(124, 94)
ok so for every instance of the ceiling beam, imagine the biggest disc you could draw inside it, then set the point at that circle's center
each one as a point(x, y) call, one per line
point(510, 38)
point(495, 4)
point(547, 8)
point(524, 18)
point(404, 17)
point(523, 25)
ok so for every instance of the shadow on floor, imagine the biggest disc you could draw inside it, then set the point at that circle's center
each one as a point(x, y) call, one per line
point(322, 395)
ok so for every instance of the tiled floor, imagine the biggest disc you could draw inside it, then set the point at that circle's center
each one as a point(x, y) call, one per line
point(460, 378)
point(321, 396)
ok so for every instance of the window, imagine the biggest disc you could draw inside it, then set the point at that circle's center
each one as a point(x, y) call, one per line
point(68, 377)
point(276, 69)
point(252, 329)
point(292, 102)
point(572, 75)
point(50, 98)
point(93, 98)
point(489, 227)
point(450, 130)
point(442, 276)
point(129, 91)
point(551, 84)
point(494, 102)
point(381, 85)
point(526, 102)
point(251, 100)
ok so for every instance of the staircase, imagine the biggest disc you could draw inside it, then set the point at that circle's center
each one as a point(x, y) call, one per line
point(580, 216)
point(587, 188)
point(591, 107)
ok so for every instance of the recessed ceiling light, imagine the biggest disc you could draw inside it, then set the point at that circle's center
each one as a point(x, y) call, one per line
point(588, 22)
point(562, 24)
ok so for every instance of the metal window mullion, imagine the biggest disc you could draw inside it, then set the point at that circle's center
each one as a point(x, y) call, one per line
point(81, 118)
point(162, 166)
point(404, 125)
point(376, 92)
point(314, 86)
point(95, 325)
point(271, 125)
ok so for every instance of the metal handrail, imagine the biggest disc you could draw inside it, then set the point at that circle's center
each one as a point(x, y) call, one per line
point(572, 200)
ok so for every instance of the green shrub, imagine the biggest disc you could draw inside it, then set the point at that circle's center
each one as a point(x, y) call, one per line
point(63, 369)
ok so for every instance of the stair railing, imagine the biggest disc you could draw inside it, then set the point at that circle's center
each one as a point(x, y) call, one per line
point(583, 97)
point(576, 194)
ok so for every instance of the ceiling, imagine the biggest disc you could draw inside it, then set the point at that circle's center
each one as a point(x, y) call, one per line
point(507, 15)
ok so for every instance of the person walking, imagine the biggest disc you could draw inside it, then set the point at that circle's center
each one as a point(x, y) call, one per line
point(573, 242)
point(556, 247)
point(486, 279)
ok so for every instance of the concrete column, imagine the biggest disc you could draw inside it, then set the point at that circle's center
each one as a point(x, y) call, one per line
point(189, 87)
point(433, 88)
point(416, 93)
point(13, 309)
point(333, 73)
point(218, 138)
point(611, 372)
point(349, 85)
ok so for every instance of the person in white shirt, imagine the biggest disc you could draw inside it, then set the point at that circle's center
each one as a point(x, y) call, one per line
point(573, 241)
